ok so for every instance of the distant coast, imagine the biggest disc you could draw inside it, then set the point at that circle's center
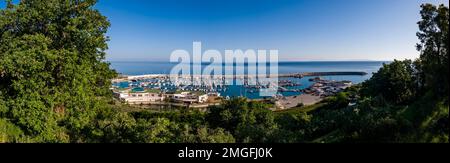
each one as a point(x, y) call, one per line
point(295, 75)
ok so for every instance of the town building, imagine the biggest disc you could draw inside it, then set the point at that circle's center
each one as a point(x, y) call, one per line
point(139, 96)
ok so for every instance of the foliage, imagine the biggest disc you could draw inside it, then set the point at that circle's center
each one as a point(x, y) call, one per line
point(247, 121)
point(54, 87)
point(433, 36)
point(394, 82)
point(9, 132)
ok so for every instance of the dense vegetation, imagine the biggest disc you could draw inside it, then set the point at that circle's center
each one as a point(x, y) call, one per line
point(54, 87)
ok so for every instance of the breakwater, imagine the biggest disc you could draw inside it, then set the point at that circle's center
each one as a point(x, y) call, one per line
point(301, 75)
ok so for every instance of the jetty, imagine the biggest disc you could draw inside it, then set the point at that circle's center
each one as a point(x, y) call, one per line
point(327, 74)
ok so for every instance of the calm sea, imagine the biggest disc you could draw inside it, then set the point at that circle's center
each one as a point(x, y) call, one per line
point(141, 68)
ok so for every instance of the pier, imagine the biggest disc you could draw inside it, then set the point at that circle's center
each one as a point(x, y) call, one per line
point(301, 75)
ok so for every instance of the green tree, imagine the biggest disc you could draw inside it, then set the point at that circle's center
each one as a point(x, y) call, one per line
point(203, 134)
point(394, 82)
point(293, 127)
point(10, 132)
point(228, 114)
point(433, 46)
point(247, 121)
point(52, 68)
point(257, 126)
point(219, 135)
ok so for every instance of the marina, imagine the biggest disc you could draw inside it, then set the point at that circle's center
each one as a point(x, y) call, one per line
point(289, 88)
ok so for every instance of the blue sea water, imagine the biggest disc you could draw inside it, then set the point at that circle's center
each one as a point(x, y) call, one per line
point(141, 68)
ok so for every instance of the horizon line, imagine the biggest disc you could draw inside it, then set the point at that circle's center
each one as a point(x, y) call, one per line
point(284, 61)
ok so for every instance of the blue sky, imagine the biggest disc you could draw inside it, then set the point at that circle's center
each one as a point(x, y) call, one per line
point(301, 30)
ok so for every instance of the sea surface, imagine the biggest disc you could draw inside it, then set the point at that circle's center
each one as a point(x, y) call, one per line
point(141, 68)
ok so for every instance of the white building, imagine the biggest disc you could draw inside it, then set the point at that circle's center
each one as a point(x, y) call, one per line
point(197, 97)
point(139, 97)
point(188, 97)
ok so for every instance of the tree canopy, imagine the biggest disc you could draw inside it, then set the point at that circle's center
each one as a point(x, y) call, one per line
point(52, 65)
point(433, 46)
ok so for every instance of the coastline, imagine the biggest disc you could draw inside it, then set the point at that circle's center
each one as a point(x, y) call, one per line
point(295, 75)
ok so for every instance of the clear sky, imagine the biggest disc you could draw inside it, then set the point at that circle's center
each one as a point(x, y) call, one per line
point(300, 29)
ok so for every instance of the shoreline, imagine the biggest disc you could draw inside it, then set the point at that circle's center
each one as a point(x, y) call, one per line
point(294, 75)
